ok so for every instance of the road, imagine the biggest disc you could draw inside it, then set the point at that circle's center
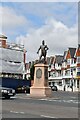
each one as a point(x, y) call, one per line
point(60, 105)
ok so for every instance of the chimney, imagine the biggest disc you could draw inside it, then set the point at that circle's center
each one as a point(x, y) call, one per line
point(3, 41)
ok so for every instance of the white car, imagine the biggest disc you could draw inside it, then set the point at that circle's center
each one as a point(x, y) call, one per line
point(6, 92)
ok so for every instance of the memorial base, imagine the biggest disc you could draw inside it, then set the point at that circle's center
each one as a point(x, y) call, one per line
point(40, 87)
point(40, 92)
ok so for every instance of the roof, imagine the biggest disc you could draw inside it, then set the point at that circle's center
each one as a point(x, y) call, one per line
point(72, 52)
point(65, 52)
point(28, 65)
point(78, 45)
point(64, 56)
point(78, 51)
point(59, 59)
point(50, 60)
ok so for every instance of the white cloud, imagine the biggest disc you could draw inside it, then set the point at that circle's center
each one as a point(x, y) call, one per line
point(57, 36)
point(10, 19)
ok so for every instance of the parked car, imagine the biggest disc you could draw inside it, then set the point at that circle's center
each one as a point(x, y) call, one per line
point(6, 92)
point(54, 88)
point(23, 89)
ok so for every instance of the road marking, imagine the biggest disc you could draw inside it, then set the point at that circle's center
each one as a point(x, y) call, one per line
point(22, 97)
point(13, 97)
point(73, 97)
point(52, 100)
point(17, 112)
point(22, 112)
point(14, 112)
point(43, 99)
point(47, 116)
point(67, 101)
point(71, 101)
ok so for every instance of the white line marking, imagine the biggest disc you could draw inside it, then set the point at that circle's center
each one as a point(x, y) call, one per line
point(22, 112)
point(14, 112)
point(47, 116)
point(43, 99)
point(17, 112)
point(53, 100)
point(23, 98)
point(13, 97)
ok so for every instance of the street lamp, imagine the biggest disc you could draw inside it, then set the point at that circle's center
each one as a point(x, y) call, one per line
point(72, 79)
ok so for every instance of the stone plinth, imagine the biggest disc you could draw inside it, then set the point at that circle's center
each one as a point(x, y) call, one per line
point(40, 87)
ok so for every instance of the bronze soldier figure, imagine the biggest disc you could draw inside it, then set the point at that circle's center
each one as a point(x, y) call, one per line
point(43, 49)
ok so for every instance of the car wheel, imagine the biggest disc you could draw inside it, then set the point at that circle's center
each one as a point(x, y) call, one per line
point(7, 97)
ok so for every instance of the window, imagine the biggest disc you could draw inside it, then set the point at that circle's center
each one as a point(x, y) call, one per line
point(78, 73)
point(68, 61)
point(60, 83)
point(78, 69)
point(78, 59)
point(68, 72)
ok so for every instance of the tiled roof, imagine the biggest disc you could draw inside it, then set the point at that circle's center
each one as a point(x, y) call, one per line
point(59, 59)
point(78, 45)
point(50, 60)
point(72, 52)
point(64, 56)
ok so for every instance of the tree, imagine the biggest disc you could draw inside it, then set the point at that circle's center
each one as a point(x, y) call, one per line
point(32, 72)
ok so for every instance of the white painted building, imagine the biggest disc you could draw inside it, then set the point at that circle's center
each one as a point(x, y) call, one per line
point(66, 72)
point(12, 59)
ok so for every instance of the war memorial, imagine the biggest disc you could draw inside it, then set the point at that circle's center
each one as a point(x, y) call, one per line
point(41, 87)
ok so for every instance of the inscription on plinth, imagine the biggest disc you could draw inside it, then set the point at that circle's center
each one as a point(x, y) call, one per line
point(38, 73)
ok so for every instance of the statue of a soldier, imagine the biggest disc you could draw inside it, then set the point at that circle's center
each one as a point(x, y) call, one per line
point(43, 49)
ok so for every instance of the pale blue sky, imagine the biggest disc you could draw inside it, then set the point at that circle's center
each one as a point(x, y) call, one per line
point(30, 22)
point(37, 13)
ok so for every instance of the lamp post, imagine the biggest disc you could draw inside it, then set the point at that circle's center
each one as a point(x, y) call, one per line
point(24, 62)
point(72, 81)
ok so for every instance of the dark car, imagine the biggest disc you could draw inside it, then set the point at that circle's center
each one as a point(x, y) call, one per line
point(23, 89)
point(6, 92)
point(54, 88)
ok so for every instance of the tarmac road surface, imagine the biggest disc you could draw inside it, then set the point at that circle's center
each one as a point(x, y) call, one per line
point(60, 105)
